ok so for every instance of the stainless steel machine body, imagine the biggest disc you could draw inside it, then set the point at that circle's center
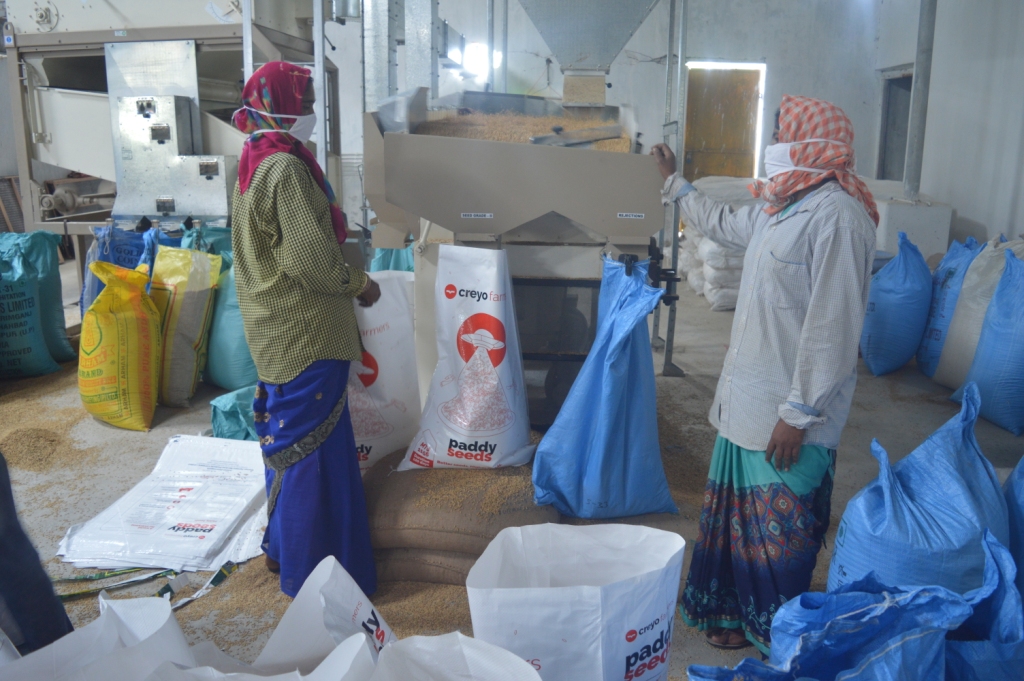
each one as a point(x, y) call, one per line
point(161, 175)
point(72, 66)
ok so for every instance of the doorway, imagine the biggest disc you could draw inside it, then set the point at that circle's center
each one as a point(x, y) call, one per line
point(723, 119)
point(895, 123)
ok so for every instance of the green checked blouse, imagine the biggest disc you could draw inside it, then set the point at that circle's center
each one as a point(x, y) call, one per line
point(294, 289)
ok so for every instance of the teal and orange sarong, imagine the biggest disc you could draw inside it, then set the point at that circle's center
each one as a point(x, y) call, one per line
point(759, 537)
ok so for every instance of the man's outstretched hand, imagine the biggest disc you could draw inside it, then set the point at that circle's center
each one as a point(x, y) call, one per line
point(666, 159)
point(784, 446)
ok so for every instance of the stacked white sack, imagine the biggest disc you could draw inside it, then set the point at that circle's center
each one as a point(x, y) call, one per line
point(721, 267)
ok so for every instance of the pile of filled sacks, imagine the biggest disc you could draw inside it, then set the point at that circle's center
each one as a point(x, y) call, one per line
point(964, 322)
point(926, 575)
point(711, 269)
point(158, 313)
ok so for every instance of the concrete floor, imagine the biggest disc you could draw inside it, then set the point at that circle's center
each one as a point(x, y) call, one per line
point(900, 410)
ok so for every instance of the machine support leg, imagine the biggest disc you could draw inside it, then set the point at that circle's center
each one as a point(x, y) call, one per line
point(670, 333)
point(656, 341)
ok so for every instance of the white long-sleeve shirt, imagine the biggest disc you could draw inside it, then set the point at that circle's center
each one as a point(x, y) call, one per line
point(804, 290)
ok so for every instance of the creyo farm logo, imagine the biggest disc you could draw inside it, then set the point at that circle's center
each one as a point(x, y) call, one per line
point(450, 292)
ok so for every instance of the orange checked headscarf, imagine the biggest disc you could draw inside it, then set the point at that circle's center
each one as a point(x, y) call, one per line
point(815, 144)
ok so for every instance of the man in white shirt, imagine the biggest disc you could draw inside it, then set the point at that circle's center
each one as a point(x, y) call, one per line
point(789, 375)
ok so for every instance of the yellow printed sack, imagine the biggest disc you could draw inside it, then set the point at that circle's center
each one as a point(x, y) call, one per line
point(182, 289)
point(119, 351)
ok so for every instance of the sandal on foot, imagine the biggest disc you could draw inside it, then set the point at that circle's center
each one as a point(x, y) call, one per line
point(724, 646)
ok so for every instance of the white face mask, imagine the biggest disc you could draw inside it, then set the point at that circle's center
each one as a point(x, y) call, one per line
point(777, 159)
point(302, 129)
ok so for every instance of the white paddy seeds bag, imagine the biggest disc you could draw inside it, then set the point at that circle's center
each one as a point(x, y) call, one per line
point(476, 415)
point(591, 603)
point(383, 393)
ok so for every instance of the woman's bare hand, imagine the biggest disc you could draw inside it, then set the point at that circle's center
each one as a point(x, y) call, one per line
point(370, 294)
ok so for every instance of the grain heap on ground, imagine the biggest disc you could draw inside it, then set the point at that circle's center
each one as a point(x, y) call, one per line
point(35, 435)
point(514, 127)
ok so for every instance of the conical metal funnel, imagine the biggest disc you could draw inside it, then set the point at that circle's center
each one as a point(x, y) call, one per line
point(587, 35)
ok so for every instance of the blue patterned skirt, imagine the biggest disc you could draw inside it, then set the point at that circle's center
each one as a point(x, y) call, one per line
point(759, 537)
point(317, 505)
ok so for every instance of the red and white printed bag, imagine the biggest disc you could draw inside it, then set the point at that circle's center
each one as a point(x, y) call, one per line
point(383, 393)
point(476, 414)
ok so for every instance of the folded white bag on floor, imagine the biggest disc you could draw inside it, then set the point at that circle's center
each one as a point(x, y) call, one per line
point(204, 503)
point(129, 639)
point(383, 395)
point(586, 603)
point(452, 657)
point(976, 293)
point(476, 414)
point(721, 298)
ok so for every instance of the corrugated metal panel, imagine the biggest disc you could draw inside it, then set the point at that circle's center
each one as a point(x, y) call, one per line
point(11, 204)
point(587, 35)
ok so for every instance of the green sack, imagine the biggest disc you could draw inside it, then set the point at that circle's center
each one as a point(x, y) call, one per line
point(41, 249)
point(232, 415)
point(229, 364)
point(23, 350)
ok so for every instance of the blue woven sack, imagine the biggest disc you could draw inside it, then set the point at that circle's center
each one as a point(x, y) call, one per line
point(601, 457)
point(946, 283)
point(998, 366)
point(921, 521)
point(898, 305)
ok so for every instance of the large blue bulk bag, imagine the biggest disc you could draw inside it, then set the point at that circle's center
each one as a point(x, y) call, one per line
point(898, 305)
point(921, 521)
point(23, 350)
point(399, 259)
point(41, 249)
point(998, 366)
point(1013, 490)
point(229, 363)
point(990, 644)
point(946, 283)
point(864, 632)
point(232, 416)
point(601, 457)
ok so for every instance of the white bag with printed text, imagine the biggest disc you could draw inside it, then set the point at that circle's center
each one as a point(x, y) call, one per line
point(476, 414)
point(587, 603)
point(383, 393)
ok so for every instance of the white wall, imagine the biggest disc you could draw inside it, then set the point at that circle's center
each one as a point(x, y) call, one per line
point(974, 138)
point(897, 32)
